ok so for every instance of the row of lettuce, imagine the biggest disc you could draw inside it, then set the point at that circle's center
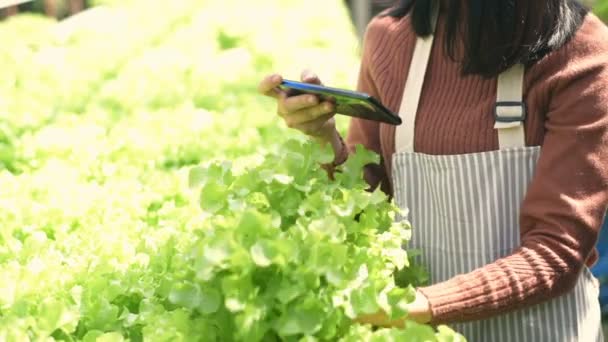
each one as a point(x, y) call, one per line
point(148, 193)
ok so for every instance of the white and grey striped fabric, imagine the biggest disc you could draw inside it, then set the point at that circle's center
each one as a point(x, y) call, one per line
point(465, 213)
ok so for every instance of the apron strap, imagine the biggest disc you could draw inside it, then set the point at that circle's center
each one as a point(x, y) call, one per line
point(510, 109)
point(404, 134)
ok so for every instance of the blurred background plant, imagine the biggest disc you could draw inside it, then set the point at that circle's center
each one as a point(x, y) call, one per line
point(601, 8)
point(361, 10)
point(52, 8)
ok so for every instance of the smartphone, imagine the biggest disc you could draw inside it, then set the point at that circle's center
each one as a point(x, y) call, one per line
point(350, 103)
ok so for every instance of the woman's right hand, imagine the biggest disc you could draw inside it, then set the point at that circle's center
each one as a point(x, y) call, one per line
point(302, 112)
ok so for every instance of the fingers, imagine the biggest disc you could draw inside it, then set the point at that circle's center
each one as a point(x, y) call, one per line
point(309, 114)
point(310, 77)
point(289, 104)
point(380, 320)
point(269, 86)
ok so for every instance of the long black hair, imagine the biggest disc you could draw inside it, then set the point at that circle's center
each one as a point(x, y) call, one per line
point(497, 34)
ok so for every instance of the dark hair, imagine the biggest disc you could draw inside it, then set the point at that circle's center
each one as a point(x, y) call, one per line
point(498, 34)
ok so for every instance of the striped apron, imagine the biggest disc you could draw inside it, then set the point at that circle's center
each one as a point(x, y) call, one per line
point(465, 213)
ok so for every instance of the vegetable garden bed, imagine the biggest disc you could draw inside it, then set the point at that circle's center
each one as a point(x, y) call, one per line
point(103, 123)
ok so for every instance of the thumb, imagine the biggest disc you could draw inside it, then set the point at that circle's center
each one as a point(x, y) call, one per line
point(310, 77)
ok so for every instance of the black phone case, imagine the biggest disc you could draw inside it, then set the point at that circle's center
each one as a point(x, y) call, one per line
point(350, 103)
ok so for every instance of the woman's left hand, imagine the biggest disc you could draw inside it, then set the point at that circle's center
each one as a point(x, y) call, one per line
point(418, 311)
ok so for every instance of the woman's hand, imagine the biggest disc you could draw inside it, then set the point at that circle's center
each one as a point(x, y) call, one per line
point(302, 112)
point(419, 311)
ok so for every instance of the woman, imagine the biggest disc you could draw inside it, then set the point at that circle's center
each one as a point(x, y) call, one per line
point(501, 159)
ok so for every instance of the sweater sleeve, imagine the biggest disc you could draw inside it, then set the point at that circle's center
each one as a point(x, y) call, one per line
point(365, 132)
point(565, 203)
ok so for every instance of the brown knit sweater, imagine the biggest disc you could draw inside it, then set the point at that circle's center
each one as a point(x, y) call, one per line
point(567, 96)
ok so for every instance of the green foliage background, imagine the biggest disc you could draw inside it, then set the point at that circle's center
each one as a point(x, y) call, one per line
point(107, 119)
point(601, 9)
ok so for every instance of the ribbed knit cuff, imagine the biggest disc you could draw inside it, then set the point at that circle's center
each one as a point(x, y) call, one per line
point(445, 300)
point(465, 298)
point(488, 292)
